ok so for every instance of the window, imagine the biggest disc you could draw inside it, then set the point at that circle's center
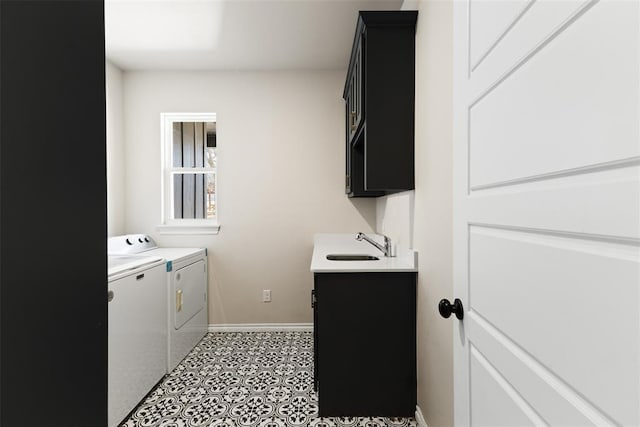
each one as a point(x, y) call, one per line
point(189, 173)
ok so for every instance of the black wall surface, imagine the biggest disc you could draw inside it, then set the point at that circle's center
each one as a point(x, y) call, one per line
point(53, 305)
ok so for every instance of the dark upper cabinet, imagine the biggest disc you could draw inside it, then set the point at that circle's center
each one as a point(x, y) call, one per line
point(379, 103)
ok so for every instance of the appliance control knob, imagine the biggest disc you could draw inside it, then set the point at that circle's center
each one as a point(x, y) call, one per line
point(146, 239)
point(129, 242)
point(140, 240)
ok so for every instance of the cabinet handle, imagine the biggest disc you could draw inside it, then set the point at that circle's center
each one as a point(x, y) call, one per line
point(353, 121)
point(313, 299)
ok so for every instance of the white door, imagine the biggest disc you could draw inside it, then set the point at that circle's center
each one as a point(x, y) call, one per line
point(547, 212)
point(190, 287)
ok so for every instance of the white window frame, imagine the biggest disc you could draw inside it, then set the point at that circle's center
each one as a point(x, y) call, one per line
point(169, 224)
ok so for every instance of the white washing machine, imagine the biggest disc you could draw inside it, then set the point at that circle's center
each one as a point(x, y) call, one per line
point(137, 331)
point(186, 278)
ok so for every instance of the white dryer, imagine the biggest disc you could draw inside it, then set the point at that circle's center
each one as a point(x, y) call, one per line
point(186, 271)
point(137, 333)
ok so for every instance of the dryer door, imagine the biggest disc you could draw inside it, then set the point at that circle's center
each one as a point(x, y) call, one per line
point(189, 287)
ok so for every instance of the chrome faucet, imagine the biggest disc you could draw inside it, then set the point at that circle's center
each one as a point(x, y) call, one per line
point(386, 249)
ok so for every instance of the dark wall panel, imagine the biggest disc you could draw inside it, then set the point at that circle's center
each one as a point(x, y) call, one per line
point(188, 161)
point(53, 305)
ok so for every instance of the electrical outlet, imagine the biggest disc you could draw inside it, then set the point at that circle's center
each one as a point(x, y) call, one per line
point(266, 295)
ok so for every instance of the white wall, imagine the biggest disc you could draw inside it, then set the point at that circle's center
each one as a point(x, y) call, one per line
point(115, 150)
point(424, 216)
point(394, 217)
point(281, 179)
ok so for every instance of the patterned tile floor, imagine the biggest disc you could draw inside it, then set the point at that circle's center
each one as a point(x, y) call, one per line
point(261, 379)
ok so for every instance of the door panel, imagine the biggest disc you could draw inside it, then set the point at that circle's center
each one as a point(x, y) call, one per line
point(489, 22)
point(569, 106)
point(190, 287)
point(537, 23)
point(554, 401)
point(547, 214)
point(607, 200)
point(494, 394)
point(555, 297)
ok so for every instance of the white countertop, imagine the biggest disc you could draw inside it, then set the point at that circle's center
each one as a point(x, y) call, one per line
point(325, 244)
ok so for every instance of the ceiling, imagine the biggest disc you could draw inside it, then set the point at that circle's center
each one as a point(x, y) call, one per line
point(233, 34)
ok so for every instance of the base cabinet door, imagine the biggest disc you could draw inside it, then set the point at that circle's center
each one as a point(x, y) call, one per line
point(365, 349)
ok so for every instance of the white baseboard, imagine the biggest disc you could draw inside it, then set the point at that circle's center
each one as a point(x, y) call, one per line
point(260, 327)
point(419, 418)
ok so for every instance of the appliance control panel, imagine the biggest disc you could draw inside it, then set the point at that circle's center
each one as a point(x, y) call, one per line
point(130, 244)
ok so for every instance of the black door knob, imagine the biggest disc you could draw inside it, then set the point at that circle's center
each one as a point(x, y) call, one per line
point(446, 308)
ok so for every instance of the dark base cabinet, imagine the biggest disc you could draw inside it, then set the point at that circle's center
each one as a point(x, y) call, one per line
point(365, 344)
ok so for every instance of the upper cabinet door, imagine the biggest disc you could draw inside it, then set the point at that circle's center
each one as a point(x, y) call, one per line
point(379, 96)
point(355, 95)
